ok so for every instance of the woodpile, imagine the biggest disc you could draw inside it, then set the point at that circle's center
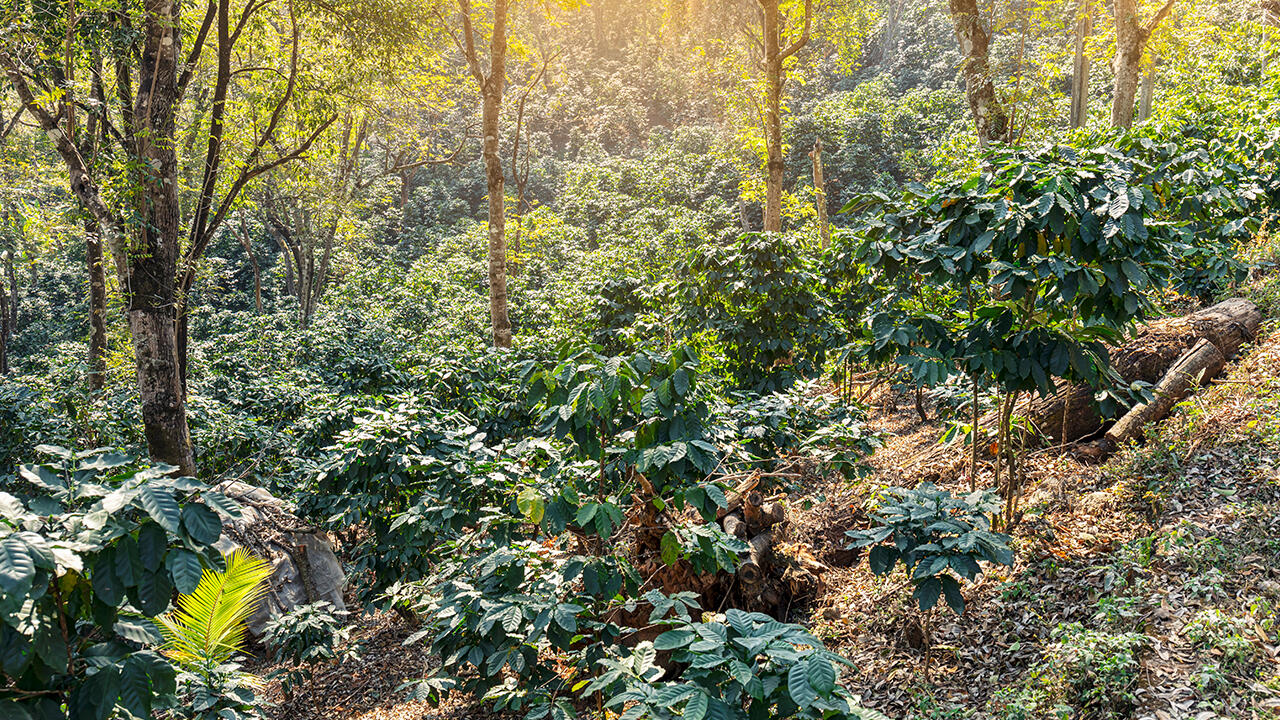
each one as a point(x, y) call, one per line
point(773, 574)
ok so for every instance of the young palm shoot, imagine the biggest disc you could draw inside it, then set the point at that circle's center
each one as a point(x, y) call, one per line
point(208, 629)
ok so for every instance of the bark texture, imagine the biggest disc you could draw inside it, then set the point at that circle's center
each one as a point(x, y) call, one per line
point(990, 119)
point(491, 85)
point(1196, 366)
point(150, 293)
point(1081, 67)
point(97, 304)
point(820, 194)
point(4, 333)
point(775, 56)
point(1148, 93)
point(1071, 414)
point(1131, 39)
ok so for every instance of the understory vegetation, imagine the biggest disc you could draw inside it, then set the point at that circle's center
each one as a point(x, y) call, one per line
point(639, 359)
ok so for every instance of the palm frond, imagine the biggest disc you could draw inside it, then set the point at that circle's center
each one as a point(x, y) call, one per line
point(208, 625)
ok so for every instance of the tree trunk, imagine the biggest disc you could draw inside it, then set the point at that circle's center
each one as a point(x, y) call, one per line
point(820, 194)
point(775, 55)
point(11, 271)
point(989, 117)
point(1148, 93)
point(150, 288)
point(247, 243)
point(492, 91)
point(772, 116)
point(4, 334)
point(893, 21)
point(1196, 366)
point(599, 28)
point(97, 304)
point(1131, 39)
point(1071, 414)
point(1080, 70)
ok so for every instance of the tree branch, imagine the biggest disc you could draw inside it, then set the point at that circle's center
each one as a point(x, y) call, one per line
point(189, 67)
point(1159, 17)
point(803, 40)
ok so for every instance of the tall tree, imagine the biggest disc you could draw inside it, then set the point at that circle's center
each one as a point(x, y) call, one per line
point(1080, 68)
point(778, 47)
point(143, 227)
point(990, 118)
point(491, 82)
point(1131, 39)
point(820, 194)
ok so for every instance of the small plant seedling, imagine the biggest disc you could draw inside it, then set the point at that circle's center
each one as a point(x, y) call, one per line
point(936, 536)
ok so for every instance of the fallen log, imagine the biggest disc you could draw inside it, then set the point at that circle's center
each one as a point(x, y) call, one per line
point(1070, 414)
point(751, 508)
point(769, 514)
point(1195, 367)
point(735, 526)
point(756, 567)
point(733, 499)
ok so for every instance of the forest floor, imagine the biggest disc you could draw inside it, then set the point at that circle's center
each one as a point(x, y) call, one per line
point(1147, 587)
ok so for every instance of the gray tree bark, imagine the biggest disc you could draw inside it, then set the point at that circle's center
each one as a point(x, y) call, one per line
point(990, 119)
point(1131, 39)
point(775, 78)
point(1080, 69)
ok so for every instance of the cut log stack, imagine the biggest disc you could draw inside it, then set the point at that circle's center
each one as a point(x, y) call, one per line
point(766, 579)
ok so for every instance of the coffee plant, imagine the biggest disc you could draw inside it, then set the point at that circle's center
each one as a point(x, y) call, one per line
point(936, 537)
point(92, 546)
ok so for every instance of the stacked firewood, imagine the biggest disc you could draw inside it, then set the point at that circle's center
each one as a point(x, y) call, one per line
point(773, 574)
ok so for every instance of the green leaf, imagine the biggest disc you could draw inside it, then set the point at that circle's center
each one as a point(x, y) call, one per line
point(821, 674)
point(802, 694)
point(153, 591)
point(202, 524)
point(161, 506)
point(135, 689)
point(696, 707)
point(681, 382)
point(96, 696)
point(531, 505)
point(951, 589)
point(185, 568)
point(106, 585)
point(672, 639)
point(222, 504)
point(152, 544)
point(138, 630)
point(882, 559)
point(670, 548)
point(927, 593)
point(17, 567)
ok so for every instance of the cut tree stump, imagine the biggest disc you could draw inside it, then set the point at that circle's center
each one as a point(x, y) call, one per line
point(1147, 358)
point(756, 568)
point(735, 526)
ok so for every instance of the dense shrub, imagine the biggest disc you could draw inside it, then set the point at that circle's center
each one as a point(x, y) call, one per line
point(92, 546)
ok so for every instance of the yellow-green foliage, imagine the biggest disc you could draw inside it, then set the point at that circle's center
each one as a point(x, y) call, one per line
point(209, 624)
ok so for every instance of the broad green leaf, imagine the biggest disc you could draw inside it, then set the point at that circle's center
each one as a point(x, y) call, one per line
point(802, 694)
point(184, 566)
point(17, 566)
point(202, 524)
point(161, 506)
